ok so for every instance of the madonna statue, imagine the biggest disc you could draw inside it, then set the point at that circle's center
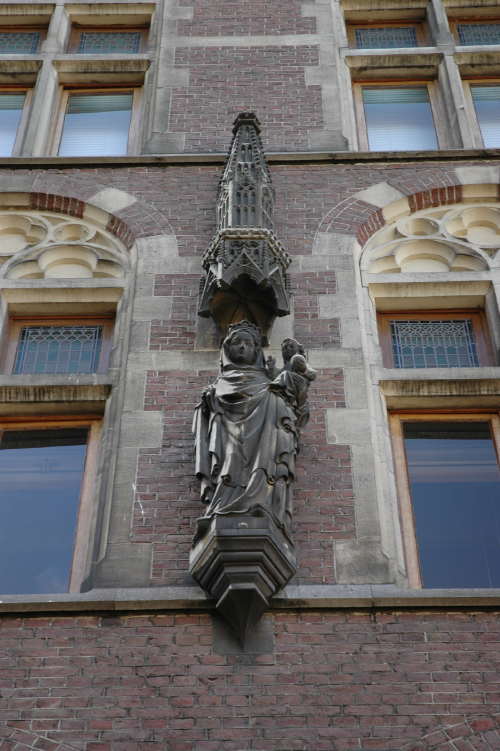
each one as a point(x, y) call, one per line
point(247, 429)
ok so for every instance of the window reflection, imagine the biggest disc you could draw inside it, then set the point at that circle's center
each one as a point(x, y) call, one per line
point(455, 487)
point(40, 478)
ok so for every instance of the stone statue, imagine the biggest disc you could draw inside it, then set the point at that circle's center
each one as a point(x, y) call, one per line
point(247, 430)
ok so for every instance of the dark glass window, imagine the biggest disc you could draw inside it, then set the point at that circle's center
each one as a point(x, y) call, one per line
point(479, 33)
point(386, 37)
point(455, 488)
point(58, 349)
point(40, 479)
point(433, 344)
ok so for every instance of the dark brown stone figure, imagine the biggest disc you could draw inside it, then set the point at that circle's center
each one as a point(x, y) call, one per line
point(247, 437)
point(247, 429)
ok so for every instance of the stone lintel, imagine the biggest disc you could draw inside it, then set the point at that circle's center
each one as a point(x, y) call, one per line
point(457, 393)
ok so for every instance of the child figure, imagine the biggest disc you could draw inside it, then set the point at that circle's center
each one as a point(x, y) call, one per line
point(295, 378)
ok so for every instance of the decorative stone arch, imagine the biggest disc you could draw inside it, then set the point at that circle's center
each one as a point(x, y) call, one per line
point(23, 740)
point(129, 216)
point(473, 734)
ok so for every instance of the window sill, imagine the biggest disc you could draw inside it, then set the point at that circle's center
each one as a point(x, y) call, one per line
point(105, 69)
point(374, 65)
point(440, 388)
point(296, 597)
point(478, 60)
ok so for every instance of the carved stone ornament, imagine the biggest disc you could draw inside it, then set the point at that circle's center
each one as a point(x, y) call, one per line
point(247, 429)
point(48, 245)
point(245, 265)
point(464, 237)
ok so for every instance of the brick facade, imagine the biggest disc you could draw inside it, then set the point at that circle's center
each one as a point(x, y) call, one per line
point(347, 658)
point(326, 680)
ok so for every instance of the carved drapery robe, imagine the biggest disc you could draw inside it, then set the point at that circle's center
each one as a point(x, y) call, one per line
point(246, 443)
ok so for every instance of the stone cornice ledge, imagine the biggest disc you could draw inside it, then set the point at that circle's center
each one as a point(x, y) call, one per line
point(277, 157)
point(293, 597)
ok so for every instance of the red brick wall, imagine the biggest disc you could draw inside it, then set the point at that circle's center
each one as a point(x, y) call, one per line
point(235, 17)
point(332, 681)
point(267, 80)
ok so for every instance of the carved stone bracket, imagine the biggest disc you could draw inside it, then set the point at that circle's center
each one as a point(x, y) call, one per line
point(245, 265)
point(242, 562)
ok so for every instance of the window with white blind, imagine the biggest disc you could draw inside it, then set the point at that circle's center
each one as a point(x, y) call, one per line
point(396, 118)
point(486, 100)
point(97, 123)
point(11, 112)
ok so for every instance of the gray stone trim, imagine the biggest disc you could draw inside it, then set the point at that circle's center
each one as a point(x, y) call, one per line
point(276, 157)
point(293, 597)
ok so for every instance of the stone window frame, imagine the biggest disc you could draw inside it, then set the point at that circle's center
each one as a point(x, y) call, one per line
point(135, 118)
point(15, 324)
point(432, 89)
point(475, 389)
point(396, 419)
point(87, 510)
point(477, 317)
point(419, 26)
point(103, 292)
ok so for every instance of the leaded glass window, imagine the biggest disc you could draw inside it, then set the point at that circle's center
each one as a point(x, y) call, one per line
point(487, 105)
point(19, 42)
point(109, 42)
point(478, 33)
point(433, 344)
point(386, 37)
point(58, 349)
point(398, 119)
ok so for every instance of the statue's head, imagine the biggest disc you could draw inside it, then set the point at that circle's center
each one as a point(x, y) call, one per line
point(243, 343)
point(290, 347)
